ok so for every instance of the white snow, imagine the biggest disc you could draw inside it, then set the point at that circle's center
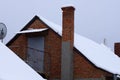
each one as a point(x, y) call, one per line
point(13, 68)
point(68, 5)
point(55, 27)
point(32, 30)
point(100, 55)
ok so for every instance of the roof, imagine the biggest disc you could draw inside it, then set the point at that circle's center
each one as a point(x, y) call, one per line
point(13, 68)
point(100, 55)
point(94, 52)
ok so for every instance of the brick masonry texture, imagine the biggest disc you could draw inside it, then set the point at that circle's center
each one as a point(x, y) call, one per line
point(52, 56)
point(68, 25)
point(117, 49)
point(19, 46)
point(85, 69)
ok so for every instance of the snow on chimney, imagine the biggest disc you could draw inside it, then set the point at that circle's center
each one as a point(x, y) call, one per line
point(67, 43)
point(117, 49)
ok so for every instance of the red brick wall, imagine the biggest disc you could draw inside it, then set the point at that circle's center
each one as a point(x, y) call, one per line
point(117, 49)
point(53, 47)
point(37, 24)
point(68, 24)
point(52, 59)
point(85, 69)
point(19, 46)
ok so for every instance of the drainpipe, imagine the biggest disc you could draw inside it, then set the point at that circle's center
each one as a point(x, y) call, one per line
point(115, 77)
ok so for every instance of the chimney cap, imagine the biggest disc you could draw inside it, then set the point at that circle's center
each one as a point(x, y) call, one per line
point(68, 7)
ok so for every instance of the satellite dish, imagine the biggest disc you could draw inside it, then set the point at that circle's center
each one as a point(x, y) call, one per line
point(3, 31)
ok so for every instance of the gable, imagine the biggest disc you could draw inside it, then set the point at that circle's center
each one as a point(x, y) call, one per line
point(35, 23)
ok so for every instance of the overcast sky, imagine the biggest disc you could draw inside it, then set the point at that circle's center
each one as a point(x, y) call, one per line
point(94, 19)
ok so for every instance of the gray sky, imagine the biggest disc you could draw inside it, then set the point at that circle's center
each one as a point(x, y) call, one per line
point(95, 19)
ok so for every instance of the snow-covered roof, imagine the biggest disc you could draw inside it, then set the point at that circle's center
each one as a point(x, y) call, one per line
point(13, 68)
point(100, 55)
point(32, 30)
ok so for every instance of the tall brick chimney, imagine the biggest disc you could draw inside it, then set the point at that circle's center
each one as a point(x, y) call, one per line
point(67, 43)
point(117, 49)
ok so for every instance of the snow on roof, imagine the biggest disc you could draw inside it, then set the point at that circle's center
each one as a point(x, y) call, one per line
point(32, 30)
point(100, 55)
point(55, 27)
point(13, 68)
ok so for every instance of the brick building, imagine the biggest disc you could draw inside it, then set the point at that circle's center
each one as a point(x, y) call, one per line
point(53, 51)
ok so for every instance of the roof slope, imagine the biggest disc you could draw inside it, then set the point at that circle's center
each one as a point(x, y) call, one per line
point(101, 56)
point(13, 68)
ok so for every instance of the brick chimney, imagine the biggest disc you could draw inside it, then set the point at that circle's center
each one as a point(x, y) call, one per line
point(117, 49)
point(67, 43)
